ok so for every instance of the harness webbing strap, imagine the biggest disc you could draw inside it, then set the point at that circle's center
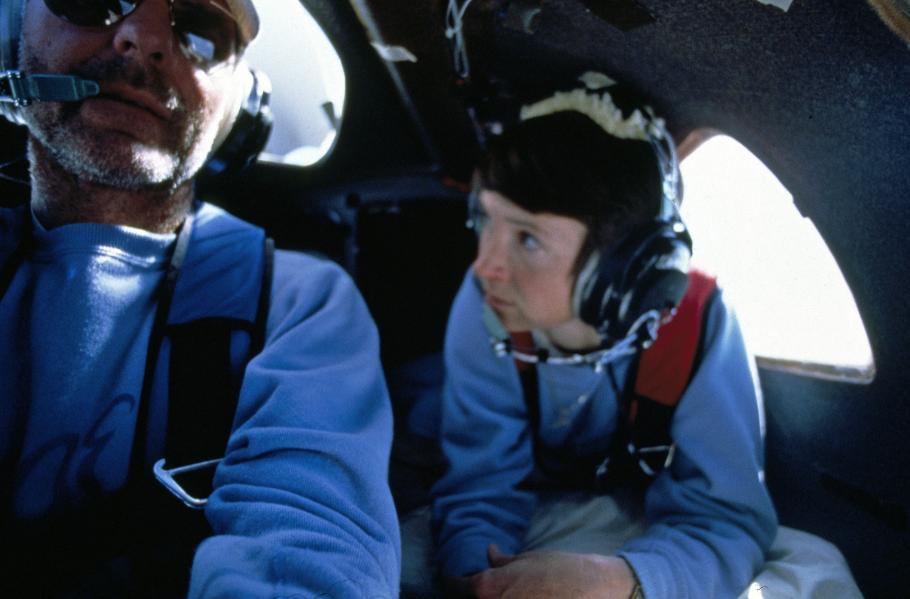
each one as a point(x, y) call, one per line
point(665, 368)
point(164, 294)
point(661, 376)
point(643, 444)
point(204, 383)
point(522, 339)
point(257, 342)
point(201, 395)
point(12, 254)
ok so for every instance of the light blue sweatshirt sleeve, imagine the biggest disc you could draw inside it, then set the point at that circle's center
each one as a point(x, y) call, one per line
point(301, 506)
point(711, 518)
point(485, 437)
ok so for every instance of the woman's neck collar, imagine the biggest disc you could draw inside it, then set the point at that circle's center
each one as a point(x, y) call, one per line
point(574, 336)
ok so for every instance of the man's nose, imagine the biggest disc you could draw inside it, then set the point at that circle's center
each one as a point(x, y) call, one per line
point(490, 263)
point(146, 34)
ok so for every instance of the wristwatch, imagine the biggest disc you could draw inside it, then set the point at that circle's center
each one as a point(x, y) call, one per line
point(637, 593)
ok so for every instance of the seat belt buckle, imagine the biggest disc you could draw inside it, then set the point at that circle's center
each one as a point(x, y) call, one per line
point(193, 473)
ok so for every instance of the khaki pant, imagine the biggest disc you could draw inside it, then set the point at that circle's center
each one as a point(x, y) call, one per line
point(799, 565)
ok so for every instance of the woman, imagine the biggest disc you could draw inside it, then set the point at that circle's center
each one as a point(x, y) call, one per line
point(550, 418)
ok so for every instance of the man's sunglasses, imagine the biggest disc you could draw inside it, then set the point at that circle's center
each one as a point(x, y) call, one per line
point(207, 32)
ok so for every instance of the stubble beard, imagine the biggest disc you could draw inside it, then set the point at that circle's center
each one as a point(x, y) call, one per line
point(105, 158)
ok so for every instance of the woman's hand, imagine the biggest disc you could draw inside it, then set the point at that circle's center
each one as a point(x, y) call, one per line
point(552, 575)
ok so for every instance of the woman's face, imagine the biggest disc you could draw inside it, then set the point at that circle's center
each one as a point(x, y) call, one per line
point(524, 263)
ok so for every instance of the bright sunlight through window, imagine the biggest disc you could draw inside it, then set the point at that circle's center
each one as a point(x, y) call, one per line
point(307, 82)
point(796, 310)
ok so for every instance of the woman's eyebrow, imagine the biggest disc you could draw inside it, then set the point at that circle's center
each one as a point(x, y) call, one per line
point(523, 223)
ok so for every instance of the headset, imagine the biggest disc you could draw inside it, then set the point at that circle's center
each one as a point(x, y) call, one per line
point(238, 143)
point(243, 138)
point(628, 290)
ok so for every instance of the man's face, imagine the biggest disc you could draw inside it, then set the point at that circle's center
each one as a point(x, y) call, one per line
point(524, 263)
point(158, 113)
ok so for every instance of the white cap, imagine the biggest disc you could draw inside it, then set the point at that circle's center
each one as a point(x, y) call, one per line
point(247, 19)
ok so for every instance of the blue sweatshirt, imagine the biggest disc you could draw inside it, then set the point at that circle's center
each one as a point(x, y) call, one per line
point(709, 514)
point(301, 504)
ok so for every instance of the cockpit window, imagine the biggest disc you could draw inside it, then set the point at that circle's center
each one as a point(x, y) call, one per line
point(796, 310)
point(308, 82)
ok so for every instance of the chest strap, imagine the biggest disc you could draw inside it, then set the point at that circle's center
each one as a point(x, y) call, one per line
point(643, 444)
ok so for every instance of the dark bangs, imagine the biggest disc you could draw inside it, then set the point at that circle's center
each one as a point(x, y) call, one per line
point(568, 165)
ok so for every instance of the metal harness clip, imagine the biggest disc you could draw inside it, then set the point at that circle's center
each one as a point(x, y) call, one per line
point(166, 478)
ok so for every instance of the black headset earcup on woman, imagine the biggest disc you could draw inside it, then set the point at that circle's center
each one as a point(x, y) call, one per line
point(645, 271)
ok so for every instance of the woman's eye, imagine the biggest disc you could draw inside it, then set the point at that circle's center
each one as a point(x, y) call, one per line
point(528, 241)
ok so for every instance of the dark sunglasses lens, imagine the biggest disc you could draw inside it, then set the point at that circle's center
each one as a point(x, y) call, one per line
point(209, 36)
point(92, 13)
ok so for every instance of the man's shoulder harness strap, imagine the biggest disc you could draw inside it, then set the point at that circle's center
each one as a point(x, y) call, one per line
point(223, 288)
point(204, 379)
point(15, 232)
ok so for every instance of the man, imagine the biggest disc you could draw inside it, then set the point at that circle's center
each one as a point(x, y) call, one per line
point(553, 410)
point(112, 258)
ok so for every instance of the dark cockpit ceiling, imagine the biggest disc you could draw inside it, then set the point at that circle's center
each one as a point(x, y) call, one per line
point(816, 91)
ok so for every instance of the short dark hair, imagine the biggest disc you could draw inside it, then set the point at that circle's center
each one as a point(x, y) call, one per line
point(564, 163)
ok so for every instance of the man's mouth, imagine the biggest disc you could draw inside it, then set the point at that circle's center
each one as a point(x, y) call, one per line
point(144, 100)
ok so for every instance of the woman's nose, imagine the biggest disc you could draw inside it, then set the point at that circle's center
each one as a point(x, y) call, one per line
point(490, 263)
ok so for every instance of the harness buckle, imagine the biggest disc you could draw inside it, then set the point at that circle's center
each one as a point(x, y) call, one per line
point(652, 459)
point(649, 460)
point(167, 478)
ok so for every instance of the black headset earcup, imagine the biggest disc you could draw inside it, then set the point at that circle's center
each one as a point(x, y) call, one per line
point(657, 282)
point(647, 270)
point(10, 33)
point(249, 131)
